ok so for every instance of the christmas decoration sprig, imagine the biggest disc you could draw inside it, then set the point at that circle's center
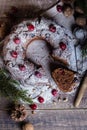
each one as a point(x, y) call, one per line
point(10, 88)
point(84, 49)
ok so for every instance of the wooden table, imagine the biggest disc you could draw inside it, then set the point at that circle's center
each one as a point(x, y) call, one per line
point(60, 116)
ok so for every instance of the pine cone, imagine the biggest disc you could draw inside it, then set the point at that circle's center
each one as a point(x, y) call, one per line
point(18, 113)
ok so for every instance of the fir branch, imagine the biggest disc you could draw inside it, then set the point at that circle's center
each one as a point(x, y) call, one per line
point(84, 51)
point(84, 48)
point(9, 88)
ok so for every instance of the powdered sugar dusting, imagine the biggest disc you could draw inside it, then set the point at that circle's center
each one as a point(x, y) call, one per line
point(33, 51)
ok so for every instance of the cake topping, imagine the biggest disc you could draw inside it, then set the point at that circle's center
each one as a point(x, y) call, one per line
point(38, 74)
point(22, 67)
point(30, 27)
point(14, 54)
point(62, 46)
point(33, 106)
point(61, 71)
point(52, 28)
point(41, 99)
point(16, 40)
point(59, 8)
point(54, 92)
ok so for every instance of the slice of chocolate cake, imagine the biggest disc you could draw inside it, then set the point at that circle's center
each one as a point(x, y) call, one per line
point(64, 79)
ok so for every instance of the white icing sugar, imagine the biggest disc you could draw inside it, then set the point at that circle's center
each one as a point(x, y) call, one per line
point(39, 77)
point(20, 75)
point(33, 47)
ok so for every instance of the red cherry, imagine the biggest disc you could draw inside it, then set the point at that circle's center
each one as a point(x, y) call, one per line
point(54, 92)
point(16, 40)
point(59, 8)
point(14, 54)
point(62, 71)
point(41, 99)
point(62, 46)
point(52, 28)
point(22, 67)
point(30, 27)
point(33, 106)
point(38, 74)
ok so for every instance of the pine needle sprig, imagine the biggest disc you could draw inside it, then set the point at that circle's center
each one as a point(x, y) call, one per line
point(84, 52)
point(9, 88)
point(84, 48)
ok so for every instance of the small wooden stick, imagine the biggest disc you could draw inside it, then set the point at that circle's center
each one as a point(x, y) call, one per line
point(81, 92)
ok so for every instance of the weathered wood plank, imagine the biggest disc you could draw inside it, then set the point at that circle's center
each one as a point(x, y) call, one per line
point(49, 120)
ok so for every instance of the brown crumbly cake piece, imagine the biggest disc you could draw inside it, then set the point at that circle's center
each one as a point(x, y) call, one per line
point(64, 79)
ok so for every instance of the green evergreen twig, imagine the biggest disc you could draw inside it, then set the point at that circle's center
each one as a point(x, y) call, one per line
point(9, 88)
point(84, 48)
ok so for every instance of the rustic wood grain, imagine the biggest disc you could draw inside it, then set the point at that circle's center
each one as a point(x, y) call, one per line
point(49, 120)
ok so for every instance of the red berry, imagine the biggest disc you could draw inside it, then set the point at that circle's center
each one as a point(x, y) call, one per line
point(14, 54)
point(33, 106)
point(59, 8)
point(62, 46)
point(61, 71)
point(38, 74)
point(54, 92)
point(22, 67)
point(16, 40)
point(52, 28)
point(30, 27)
point(41, 99)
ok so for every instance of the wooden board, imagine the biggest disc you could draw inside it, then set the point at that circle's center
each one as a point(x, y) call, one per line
point(49, 120)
